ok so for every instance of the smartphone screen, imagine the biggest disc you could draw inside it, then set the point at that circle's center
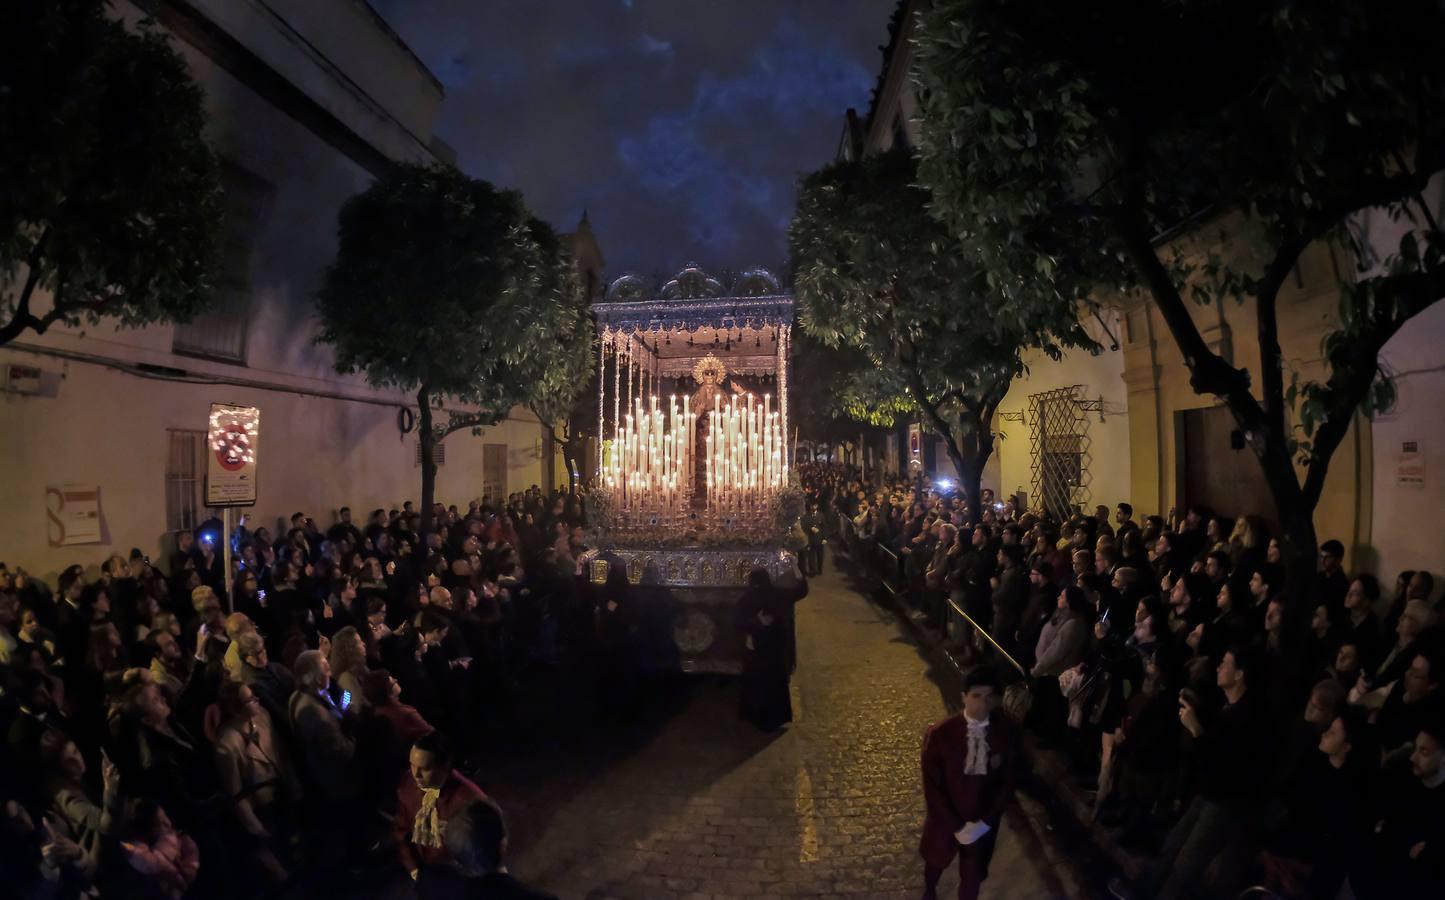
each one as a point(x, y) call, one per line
point(345, 699)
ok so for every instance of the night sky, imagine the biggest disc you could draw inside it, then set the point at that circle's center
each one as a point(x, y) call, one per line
point(680, 125)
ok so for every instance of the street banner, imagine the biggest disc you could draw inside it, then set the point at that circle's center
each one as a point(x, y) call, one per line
point(232, 441)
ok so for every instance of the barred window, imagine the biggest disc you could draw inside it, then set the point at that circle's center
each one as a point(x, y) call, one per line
point(438, 453)
point(494, 472)
point(185, 478)
point(1061, 449)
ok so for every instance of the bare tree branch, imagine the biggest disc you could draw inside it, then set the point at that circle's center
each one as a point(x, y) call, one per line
point(23, 319)
point(1209, 373)
point(1355, 364)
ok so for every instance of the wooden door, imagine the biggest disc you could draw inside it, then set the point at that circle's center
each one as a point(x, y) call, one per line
point(1228, 481)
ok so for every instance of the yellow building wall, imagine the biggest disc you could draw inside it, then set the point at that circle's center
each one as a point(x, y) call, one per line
point(1159, 388)
point(1010, 470)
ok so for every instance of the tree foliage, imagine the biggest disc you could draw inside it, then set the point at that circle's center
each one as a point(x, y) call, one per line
point(563, 398)
point(827, 410)
point(1195, 151)
point(447, 287)
point(109, 194)
point(876, 273)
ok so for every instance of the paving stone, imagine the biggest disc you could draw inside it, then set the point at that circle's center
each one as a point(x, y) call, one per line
point(706, 807)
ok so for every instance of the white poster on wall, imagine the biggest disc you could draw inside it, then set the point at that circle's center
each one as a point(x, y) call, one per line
point(1410, 465)
point(232, 441)
point(73, 514)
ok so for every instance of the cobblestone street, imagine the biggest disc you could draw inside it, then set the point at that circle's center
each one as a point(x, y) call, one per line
point(703, 806)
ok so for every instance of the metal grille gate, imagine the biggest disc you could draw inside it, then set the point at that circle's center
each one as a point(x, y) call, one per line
point(1060, 450)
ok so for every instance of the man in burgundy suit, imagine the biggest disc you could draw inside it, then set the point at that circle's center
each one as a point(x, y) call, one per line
point(968, 779)
point(429, 794)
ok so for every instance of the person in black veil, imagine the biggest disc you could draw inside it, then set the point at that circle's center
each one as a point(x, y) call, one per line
point(765, 617)
point(616, 645)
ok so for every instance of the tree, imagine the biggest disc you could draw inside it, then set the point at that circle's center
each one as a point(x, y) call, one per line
point(563, 398)
point(1195, 151)
point(829, 416)
point(109, 195)
point(447, 288)
point(873, 271)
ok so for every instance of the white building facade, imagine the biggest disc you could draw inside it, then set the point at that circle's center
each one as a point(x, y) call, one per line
point(307, 101)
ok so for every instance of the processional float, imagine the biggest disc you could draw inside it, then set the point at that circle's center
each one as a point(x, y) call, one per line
point(695, 485)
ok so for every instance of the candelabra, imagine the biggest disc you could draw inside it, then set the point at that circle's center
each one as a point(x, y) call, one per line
point(746, 465)
point(651, 468)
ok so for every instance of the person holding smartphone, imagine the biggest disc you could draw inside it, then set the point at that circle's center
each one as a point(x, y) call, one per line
point(1220, 821)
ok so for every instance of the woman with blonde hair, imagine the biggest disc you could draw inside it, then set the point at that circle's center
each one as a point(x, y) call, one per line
point(348, 663)
point(1246, 544)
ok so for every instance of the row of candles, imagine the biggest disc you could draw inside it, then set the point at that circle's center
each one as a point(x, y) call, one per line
point(652, 465)
point(745, 457)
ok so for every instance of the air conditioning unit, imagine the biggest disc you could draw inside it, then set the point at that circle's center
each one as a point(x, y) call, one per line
point(22, 379)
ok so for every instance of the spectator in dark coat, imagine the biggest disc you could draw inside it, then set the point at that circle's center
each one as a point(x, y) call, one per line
point(1010, 597)
point(1216, 824)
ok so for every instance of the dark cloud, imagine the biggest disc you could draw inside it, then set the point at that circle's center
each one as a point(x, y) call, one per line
point(681, 126)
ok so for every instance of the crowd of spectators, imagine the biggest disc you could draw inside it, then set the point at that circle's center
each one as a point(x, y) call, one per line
point(163, 739)
point(1238, 729)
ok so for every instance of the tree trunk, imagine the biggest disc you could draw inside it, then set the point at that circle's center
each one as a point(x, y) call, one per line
point(1299, 552)
point(970, 452)
point(428, 460)
point(1299, 544)
point(549, 457)
point(970, 478)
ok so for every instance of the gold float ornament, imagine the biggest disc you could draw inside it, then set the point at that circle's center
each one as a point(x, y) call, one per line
point(709, 370)
point(599, 571)
point(694, 632)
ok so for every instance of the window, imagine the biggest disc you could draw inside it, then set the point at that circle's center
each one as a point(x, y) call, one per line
point(220, 331)
point(1060, 448)
point(185, 478)
point(494, 472)
point(438, 453)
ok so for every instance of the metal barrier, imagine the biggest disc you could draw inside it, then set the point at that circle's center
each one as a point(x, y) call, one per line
point(988, 637)
point(890, 571)
point(878, 561)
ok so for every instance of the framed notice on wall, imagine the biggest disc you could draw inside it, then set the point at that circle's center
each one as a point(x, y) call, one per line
point(72, 512)
point(1410, 465)
point(232, 444)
